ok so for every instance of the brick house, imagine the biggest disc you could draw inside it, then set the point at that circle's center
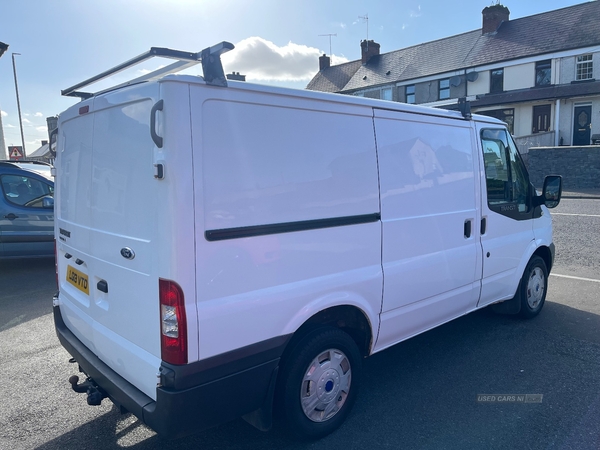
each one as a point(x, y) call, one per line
point(540, 74)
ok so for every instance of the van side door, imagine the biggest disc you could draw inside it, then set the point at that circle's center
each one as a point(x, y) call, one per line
point(506, 225)
point(429, 211)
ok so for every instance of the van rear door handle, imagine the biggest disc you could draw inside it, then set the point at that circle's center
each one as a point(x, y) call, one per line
point(158, 140)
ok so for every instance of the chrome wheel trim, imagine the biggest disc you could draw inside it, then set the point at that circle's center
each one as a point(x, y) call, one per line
point(326, 385)
point(535, 288)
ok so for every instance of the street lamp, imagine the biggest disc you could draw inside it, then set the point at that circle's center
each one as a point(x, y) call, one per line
point(19, 104)
point(3, 48)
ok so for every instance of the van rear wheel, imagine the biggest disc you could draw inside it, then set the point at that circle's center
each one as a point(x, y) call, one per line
point(534, 285)
point(319, 382)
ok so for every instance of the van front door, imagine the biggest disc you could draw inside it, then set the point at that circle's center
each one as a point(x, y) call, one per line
point(506, 223)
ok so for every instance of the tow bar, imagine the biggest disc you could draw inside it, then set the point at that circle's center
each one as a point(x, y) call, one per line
point(95, 393)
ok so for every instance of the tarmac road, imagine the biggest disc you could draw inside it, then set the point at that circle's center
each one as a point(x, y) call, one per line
point(421, 394)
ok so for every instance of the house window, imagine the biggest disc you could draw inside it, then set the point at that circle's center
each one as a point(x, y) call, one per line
point(409, 92)
point(386, 94)
point(543, 73)
point(444, 89)
point(585, 69)
point(541, 119)
point(496, 81)
point(505, 115)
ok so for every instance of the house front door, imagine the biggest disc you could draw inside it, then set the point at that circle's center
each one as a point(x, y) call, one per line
point(582, 125)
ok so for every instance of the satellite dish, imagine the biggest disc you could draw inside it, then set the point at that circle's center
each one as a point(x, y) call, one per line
point(455, 81)
point(472, 76)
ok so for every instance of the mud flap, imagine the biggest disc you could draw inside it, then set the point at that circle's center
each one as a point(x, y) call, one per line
point(510, 307)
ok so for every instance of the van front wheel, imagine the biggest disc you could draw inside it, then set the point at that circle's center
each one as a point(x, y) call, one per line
point(319, 382)
point(533, 287)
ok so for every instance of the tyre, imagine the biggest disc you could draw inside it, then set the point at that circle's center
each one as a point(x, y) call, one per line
point(319, 383)
point(533, 287)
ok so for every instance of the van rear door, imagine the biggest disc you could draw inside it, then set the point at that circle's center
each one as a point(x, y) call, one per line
point(107, 227)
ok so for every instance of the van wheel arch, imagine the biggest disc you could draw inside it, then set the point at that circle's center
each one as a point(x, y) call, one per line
point(349, 319)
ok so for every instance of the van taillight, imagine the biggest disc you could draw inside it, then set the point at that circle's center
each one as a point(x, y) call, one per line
point(173, 336)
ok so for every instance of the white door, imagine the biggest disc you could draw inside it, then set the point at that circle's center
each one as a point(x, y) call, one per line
point(429, 197)
point(507, 225)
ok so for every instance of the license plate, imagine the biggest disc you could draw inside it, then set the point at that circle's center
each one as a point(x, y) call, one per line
point(78, 279)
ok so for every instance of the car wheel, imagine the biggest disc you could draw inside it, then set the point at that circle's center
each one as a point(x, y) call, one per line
point(533, 287)
point(319, 382)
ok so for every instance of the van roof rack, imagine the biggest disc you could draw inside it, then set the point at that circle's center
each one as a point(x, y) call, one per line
point(209, 57)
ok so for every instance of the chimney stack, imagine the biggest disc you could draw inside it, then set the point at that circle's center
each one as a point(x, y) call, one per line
point(368, 50)
point(324, 62)
point(493, 16)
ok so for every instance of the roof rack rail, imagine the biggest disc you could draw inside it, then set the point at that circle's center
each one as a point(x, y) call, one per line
point(209, 57)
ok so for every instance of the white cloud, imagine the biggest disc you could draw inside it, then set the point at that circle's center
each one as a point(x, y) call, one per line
point(25, 120)
point(42, 129)
point(4, 113)
point(260, 59)
point(142, 72)
point(38, 114)
point(8, 125)
point(416, 13)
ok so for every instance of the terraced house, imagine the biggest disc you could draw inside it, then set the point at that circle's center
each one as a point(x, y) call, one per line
point(540, 74)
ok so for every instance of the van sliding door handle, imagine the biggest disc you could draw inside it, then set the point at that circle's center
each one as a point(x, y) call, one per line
point(467, 229)
point(483, 225)
point(158, 140)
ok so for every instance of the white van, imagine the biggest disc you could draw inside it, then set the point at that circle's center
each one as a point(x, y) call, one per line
point(224, 248)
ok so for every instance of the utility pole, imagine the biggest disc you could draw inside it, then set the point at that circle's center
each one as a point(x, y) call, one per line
point(19, 104)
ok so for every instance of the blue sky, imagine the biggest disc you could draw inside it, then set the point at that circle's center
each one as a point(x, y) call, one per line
point(63, 42)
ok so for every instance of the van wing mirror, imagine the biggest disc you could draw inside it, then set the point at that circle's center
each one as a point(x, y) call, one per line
point(552, 191)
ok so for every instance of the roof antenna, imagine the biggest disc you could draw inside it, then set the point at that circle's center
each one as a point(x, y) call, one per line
point(330, 54)
point(366, 19)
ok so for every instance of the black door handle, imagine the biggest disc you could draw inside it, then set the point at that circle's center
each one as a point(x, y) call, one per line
point(467, 229)
point(483, 225)
point(11, 216)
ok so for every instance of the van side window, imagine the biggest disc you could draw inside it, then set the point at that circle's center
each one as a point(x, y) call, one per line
point(25, 191)
point(507, 180)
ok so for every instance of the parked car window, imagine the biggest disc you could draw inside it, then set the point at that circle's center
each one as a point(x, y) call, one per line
point(25, 191)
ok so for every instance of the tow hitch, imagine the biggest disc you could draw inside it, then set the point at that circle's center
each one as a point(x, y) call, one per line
point(95, 394)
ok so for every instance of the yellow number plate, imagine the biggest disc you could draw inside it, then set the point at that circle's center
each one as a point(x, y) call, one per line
point(78, 279)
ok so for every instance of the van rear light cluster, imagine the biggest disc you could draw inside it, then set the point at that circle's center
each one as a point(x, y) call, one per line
point(173, 337)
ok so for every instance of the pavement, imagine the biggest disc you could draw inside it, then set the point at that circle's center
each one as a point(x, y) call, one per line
point(581, 193)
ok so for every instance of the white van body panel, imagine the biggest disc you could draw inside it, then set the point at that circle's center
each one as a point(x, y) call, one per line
point(251, 289)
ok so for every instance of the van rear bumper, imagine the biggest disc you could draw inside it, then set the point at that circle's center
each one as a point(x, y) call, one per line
point(192, 397)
